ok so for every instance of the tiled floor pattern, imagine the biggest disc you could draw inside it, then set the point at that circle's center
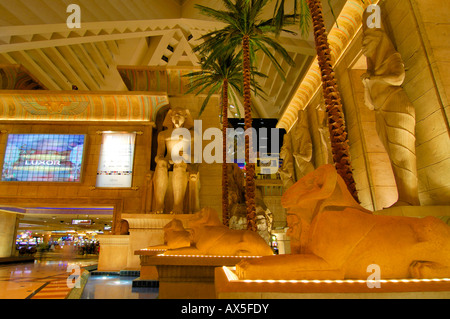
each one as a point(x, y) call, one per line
point(55, 288)
point(43, 279)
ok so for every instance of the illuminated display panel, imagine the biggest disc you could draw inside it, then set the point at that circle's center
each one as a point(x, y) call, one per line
point(43, 158)
point(85, 222)
point(115, 166)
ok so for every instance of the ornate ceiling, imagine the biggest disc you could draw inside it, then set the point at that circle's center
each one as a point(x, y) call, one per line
point(120, 34)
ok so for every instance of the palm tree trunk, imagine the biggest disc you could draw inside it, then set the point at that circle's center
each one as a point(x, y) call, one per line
point(336, 122)
point(250, 167)
point(225, 217)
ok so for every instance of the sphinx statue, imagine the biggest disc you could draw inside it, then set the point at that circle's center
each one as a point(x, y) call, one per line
point(183, 172)
point(206, 235)
point(395, 114)
point(302, 146)
point(343, 239)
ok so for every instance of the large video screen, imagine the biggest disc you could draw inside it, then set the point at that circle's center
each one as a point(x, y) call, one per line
point(43, 158)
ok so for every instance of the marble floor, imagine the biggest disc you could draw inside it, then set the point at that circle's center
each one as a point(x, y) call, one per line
point(45, 278)
point(116, 287)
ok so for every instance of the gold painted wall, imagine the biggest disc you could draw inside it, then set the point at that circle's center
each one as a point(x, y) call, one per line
point(7, 233)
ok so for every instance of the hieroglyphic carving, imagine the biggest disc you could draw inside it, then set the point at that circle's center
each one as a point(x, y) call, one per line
point(55, 107)
point(80, 106)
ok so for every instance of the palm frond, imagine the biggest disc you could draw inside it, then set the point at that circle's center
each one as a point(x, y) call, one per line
point(222, 49)
point(220, 15)
point(212, 91)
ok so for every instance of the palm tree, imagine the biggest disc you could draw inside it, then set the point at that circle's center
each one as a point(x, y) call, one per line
point(223, 73)
point(312, 10)
point(245, 31)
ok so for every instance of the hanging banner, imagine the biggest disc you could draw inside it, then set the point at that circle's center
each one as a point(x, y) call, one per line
point(115, 167)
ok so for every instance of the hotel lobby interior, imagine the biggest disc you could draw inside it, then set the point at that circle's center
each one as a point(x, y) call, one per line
point(224, 150)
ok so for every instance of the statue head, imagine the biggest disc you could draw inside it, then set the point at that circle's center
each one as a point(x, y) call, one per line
point(206, 217)
point(371, 41)
point(175, 235)
point(178, 117)
point(302, 118)
point(376, 44)
point(315, 192)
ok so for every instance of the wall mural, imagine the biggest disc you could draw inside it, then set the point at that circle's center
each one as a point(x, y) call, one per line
point(54, 106)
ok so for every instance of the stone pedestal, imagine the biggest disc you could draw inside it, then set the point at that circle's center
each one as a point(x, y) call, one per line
point(8, 231)
point(117, 251)
point(184, 276)
point(113, 252)
point(228, 286)
point(416, 211)
point(147, 230)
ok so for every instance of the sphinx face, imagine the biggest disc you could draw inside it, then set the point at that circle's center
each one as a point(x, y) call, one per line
point(205, 217)
point(313, 187)
point(198, 218)
point(178, 117)
point(294, 224)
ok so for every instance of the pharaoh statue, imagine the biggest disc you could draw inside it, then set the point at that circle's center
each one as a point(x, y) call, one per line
point(342, 238)
point(395, 114)
point(302, 146)
point(287, 170)
point(183, 172)
point(324, 134)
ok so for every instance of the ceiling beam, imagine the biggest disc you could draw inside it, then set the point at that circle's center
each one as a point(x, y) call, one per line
point(48, 65)
point(10, 47)
point(295, 77)
point(23, 58)
point(97, 57)
point(103, 48)
point(78, 66)
point(66, 68)
point(89, 64)
point(7, 58)
point(113, 47)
